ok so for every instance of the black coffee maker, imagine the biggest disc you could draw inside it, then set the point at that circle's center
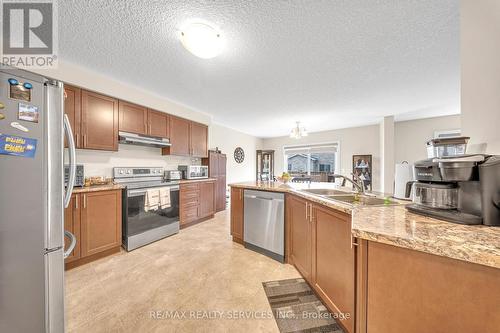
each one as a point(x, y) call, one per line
point(462, 189)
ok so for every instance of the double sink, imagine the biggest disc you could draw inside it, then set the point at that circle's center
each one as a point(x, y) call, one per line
point(351, 198)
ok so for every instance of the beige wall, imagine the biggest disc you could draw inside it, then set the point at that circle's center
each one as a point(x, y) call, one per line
point(358, 140)
point(411, 136)
point(227, 140)
point(480, 66)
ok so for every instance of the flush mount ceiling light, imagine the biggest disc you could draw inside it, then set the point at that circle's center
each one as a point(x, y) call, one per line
point(202, 40)
point(298, 132)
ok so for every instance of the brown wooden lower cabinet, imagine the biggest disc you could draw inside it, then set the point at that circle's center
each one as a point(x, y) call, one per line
point(237, 214)
point(333, 263)
point(410, 291)
point(196, 202)
point(300, 234)
point(95, 218)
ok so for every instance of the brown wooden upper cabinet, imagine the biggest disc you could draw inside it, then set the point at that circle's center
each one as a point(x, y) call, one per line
point(133, 118)
point(187, 138)
point(99, 121)
point(72, 108)
point(158, 124)
point(198, 140)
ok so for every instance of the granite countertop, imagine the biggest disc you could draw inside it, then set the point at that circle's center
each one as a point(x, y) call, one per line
point(95, 188)
point(399, 227)
point(394, 225)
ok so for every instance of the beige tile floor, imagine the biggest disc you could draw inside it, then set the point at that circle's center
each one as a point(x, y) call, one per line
point(195, 273)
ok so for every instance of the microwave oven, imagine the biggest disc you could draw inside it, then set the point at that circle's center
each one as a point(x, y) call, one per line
point(193, 171)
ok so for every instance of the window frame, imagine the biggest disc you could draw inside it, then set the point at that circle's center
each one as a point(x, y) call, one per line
point(337, 166)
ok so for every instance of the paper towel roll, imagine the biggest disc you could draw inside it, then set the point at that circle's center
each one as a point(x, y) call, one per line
point(403, 174)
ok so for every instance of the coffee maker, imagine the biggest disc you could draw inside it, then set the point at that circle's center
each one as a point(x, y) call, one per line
point(463, 189)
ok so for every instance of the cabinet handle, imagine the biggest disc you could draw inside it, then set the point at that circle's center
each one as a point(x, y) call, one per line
point(76, 203)
point(85, 140)
point(84, 201)
point(307, 209)
point(77, 137)
point(311, 218)
point(353, 243)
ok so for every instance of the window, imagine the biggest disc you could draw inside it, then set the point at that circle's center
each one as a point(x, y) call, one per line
point(316, 162)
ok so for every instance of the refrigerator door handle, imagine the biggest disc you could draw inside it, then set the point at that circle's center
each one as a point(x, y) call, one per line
point(72, 161)
point(72, 245)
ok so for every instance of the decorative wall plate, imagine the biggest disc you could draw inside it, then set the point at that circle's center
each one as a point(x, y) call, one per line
point(239, 155)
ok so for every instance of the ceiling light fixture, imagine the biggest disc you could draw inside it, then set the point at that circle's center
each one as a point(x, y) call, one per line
point(202, 40)
point(298, 132)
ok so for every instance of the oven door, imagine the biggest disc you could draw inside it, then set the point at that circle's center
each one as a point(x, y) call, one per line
point(138, 221)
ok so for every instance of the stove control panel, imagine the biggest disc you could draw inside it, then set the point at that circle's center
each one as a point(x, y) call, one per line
point(137, 172)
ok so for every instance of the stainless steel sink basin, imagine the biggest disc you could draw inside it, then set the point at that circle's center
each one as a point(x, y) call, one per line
point(325, 192)
point(362, 199)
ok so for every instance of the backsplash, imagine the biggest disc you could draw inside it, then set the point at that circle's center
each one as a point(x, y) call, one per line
point(101, 163)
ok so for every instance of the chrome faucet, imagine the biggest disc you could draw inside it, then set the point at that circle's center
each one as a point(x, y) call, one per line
point(359, 184)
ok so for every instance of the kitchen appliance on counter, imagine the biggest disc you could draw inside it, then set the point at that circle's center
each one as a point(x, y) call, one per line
point(462, 189)
point(173, 175)
point(33, 127)
point(79, 175)
point(447, 146)
point(264, 223)
point(142, 140)
point(193, 171)
point(141, 226)
point(402, 175)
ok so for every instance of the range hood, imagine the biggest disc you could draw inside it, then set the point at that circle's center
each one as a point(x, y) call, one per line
point(142, 140)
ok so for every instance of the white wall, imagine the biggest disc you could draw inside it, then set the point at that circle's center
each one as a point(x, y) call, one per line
point(387, 155)
point(353, 141)
point(480, 67)
point(227, 140)
point(411, 136)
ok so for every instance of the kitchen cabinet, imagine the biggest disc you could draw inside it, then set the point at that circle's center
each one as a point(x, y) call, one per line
point(196, 201)
point(300, 234)
point(198, 140)
point(72, 108)
point(217, 169)
point(132, 118)
point(179, 137)
point(333, 262)
point(158, 124)
point(99, 121)
point(406, 289)
point(100, 221)
point(237, 214)
point(187, 138)
point(95, 218)
point(72, 224)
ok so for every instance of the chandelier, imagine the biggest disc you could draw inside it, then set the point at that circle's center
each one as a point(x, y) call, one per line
point(298, 132)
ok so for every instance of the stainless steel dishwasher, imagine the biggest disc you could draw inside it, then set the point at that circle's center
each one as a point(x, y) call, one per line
point(264, 223)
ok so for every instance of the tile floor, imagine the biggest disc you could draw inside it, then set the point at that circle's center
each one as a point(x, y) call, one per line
point(196, 273)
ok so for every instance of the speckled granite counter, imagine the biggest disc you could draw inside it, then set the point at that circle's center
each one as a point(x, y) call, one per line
point(394, 225)
point(96, 188)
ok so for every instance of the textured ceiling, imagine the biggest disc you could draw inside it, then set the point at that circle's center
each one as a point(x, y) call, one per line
point(329, 64)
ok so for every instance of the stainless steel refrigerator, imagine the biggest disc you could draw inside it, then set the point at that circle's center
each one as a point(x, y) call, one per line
point(33, 197)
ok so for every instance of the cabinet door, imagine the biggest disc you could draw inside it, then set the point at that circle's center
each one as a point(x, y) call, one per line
point(133, 118)
point(237, 214)
point(72, 224)
point(72, 108)
point(99, 121)
point(300, 235)
point(199, 140)
point(158, 124)
point(101, 221)
point(207, 199)
point(179, 137)
point(334, 274)
point(221, 193)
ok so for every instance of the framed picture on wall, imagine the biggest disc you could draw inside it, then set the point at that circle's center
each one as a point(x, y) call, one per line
point(362, 168)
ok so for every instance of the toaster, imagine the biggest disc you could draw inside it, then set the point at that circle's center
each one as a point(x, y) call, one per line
point(173, 175)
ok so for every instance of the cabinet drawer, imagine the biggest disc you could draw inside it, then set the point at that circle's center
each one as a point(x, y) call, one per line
point(189, 201)
point(189, 214)
point(190, 187)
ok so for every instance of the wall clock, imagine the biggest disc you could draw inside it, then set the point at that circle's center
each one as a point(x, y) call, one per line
point(239, 155)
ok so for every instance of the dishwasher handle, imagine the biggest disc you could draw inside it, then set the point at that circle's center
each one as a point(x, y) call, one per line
point(250, 196)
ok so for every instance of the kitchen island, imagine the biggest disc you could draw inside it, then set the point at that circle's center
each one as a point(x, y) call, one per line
point(384, 269)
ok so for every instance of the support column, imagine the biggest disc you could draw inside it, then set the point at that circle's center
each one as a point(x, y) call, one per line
point(387, 159)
